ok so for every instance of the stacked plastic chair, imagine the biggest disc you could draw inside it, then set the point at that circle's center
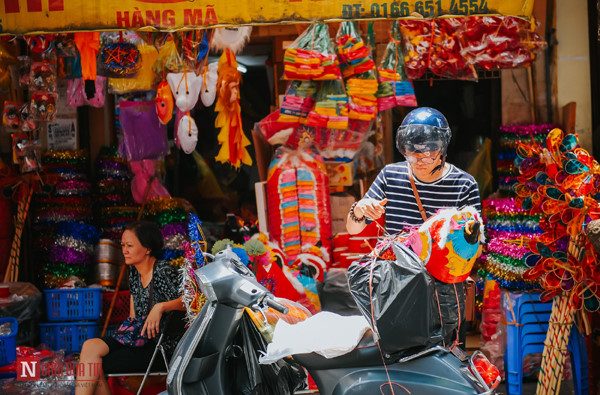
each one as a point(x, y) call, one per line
point(527, 324)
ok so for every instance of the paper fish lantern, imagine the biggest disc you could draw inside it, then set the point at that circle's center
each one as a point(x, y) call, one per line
point(449, 243)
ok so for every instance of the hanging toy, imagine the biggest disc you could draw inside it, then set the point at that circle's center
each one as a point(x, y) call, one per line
point(231, 137)
point(209, 92)
point(41, 43)
point(164, 102)
point(230, 38)
point(187, 134)
point(449, 243)
point(121, 59)
point(186, 89)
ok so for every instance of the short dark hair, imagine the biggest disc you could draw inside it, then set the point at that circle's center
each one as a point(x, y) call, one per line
point(149, 236)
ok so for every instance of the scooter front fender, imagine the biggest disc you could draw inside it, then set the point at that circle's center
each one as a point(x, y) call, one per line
point(185, 349)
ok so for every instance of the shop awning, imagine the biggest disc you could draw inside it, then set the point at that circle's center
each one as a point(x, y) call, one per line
point(39, 16)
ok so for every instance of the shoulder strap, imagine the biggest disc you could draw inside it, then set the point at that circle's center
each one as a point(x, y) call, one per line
point(151, 290)
point(416, 193)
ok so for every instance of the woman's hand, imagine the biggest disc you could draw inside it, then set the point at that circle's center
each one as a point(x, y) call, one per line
point(370, 208)
point(151, 326)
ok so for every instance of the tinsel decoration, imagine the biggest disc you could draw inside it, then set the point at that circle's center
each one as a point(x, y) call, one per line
point(193, 259)
point(63, 219)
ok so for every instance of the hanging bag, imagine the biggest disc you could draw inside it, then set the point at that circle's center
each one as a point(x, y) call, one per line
point(129, 332)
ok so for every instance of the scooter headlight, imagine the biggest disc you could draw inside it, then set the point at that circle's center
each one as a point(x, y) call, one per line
point(206, 286)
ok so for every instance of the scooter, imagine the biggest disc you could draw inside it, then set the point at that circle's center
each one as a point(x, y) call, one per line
point(198, 365)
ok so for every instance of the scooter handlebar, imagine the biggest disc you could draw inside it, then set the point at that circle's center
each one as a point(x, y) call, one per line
point(276, 305)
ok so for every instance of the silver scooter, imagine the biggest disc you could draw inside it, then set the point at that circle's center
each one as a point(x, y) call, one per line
point(199, 363)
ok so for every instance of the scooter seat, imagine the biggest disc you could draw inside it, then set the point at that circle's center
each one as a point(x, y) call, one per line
point(365, 354)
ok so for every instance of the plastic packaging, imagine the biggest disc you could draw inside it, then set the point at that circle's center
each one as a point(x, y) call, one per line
point(499, 42)
point(298, 102)
point(43, 76)
point(144, 137)
point(267, 320)
point(311, 56)
point(143, 172)
point(43, 106)
point(283, 377)
point(398, 299)
point(331, 106)
point(76, 93)
point(394, 88)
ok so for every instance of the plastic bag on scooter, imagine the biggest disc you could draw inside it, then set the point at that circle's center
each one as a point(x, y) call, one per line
point(404, 312)
point(279, 378)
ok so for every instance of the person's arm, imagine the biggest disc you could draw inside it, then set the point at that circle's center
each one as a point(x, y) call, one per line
point(370, 206)
point(152, 325)
point(366, 207)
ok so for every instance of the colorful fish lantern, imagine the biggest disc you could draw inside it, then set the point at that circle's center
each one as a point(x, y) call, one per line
point(449, 243)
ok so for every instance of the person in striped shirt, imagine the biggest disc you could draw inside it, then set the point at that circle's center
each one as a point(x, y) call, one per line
point(423, 139)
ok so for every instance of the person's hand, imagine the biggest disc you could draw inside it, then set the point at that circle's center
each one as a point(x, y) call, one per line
point(151, 326)
point(370, 208)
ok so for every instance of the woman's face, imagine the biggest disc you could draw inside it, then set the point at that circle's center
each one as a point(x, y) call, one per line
point(133, 251)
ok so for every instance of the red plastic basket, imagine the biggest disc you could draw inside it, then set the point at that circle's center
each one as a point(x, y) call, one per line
point(120, 311)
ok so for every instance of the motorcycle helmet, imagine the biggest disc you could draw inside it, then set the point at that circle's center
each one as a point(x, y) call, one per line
point(424, 130)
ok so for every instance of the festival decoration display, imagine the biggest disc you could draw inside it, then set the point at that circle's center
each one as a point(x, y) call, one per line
point(173, 220)
point(560, 180)
point(508, 163)
point(63, 219)
point(114, 206)
point(232, 139)
point(232, 38)
point(120, 58)
point(311, 56)
point(298, 101)
point(432, 44)
point(187, 131)
point(509, 229)
point(449, 243)
point(394, 87)
point(331, 106)
point(358, 69)
point(499, 42)
point(194, 259)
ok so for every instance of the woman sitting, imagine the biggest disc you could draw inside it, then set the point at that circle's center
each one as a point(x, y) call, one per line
point(154, 287)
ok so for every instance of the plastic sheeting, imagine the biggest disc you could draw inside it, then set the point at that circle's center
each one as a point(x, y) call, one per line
point(398, 299)
point(325, 333)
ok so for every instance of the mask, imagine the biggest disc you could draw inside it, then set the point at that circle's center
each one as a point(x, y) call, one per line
point(164, 102)
point(187, 134)
point(186, 89)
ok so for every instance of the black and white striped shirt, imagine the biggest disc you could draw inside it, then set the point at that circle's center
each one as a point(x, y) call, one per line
point(455, 188)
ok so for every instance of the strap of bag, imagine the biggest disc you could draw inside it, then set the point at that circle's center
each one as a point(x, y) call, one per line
point(416, 193)
point(151, 290)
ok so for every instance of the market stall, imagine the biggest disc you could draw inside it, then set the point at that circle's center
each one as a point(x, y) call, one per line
point(156, 65)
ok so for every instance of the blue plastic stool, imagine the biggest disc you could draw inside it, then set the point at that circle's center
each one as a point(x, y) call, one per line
point(529, 338)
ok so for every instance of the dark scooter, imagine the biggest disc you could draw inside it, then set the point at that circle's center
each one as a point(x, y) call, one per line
point(199, 363)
